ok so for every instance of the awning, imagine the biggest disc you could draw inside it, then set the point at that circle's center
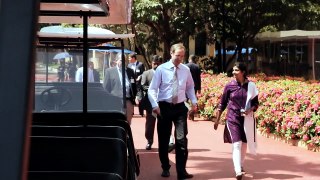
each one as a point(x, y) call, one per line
point(74, 30)
point(287, 35)
point(113, 49)
point(73, 36)
point(103, 11)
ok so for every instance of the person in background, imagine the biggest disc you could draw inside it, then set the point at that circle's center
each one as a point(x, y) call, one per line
point(71, 71)
point(167, 93)
point(146, 78)
point(240, 97)
point(113, 84)
point(138, 68)
point(61, 70)
point(196, 76)
point(93, 74)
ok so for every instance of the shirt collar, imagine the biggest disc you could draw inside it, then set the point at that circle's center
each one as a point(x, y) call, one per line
point(135, 63)
point(170, 65)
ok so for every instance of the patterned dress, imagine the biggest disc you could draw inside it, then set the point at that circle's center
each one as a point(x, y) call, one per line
point(234, 99)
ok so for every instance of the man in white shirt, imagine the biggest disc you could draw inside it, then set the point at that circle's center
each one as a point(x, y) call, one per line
point(167, 93)
point(93, 75)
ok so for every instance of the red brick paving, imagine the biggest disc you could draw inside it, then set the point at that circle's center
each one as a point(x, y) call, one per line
point(210, 158)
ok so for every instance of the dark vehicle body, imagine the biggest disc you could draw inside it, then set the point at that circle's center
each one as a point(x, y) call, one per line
point(53, 129)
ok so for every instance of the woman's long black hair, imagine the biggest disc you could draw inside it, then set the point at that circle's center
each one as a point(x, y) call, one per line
point(242, 67)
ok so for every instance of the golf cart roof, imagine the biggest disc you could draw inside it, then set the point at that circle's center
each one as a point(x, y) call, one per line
point(101, 11)
point(74, 36)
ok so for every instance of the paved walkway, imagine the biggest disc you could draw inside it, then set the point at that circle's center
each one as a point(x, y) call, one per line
point(210, 158)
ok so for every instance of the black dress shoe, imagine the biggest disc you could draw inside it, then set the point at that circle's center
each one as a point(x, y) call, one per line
point(165, 173)
point(148, 146)
point(185, 176)
point(171, 147)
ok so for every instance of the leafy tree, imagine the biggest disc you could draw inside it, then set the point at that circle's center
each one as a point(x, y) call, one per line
point(239, 21)
point(167, 22)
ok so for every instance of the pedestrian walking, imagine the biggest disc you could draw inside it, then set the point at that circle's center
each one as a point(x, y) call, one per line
point(196, 76)
point(146, 79)
point(167, 94)
point(240, 97)
point(138, 68)
point(113, 84)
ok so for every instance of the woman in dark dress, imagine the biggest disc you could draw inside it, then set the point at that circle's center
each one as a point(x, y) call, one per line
point(240, 97)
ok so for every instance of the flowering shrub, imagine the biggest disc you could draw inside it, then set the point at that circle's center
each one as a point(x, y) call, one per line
point(289, 107)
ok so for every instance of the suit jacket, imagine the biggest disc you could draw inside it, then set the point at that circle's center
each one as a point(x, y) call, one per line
point(138, 72)
point(196, 75)
point(139, 69)
point(96, 75)
point(113, 85)
point(146, 79)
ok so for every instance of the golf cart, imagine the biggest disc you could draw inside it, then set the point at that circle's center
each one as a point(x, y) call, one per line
point(79, 130)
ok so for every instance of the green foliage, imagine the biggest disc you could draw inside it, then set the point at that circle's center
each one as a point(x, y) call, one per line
point(167, 22)
point(288, 108)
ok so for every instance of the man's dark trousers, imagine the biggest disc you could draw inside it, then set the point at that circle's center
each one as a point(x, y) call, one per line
point(150, 125)
point(178, 115)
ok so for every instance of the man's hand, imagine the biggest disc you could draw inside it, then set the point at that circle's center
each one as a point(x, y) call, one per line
point(138, 78)
point(156, 110)
point(137, 100)
point(195, 108)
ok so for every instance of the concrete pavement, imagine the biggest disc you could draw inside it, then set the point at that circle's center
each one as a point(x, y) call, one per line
point(210, 158)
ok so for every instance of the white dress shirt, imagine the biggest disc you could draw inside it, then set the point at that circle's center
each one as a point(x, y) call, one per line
point(133, 66)
point(79, 75)
point(160, 88)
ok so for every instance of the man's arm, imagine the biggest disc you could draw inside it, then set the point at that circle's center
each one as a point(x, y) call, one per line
point(153, 88)
point(106, 80)
point(190, 89)
point(144, 82)
point(79, 75)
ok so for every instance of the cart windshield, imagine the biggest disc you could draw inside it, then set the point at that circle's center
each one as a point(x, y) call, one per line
point(72, 78)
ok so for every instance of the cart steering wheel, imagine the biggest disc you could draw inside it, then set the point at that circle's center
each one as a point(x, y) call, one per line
point(55, 97)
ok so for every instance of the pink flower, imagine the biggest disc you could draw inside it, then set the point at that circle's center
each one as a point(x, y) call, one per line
point(290, 124)
point(315, 106)
point(309, 123)
point(299, 96)
point(308, 114)
point(317, 129)
point(307, 102)
point(305, 137)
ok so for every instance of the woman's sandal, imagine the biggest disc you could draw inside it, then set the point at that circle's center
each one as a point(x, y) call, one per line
point(239, 176)
point(243, 171)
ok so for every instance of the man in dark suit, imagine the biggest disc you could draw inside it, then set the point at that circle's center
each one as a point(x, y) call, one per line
point(113, 84)
point(96, 74)
point(146, 78)
point(138, 68)
point(196, 76)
